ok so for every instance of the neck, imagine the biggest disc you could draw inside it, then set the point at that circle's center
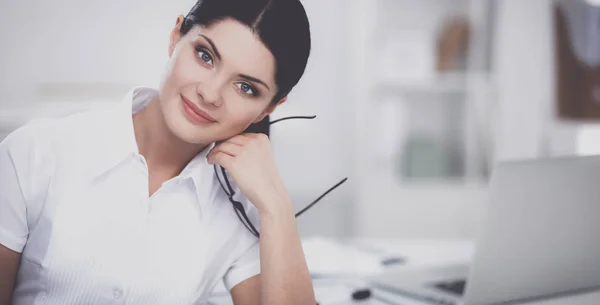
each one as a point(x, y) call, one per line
point(163, 151)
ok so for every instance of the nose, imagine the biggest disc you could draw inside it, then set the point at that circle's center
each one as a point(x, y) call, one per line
point(210, 92)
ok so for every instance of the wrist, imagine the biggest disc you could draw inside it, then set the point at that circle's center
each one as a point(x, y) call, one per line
point(276, 206)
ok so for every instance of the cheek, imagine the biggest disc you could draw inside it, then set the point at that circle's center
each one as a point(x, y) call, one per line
point(182, 71)
point(241, 112)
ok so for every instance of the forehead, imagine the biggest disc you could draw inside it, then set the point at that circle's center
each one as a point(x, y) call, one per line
point(240, 48)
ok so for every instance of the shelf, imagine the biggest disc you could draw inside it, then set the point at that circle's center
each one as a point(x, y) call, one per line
point(60, 99)
point(443, 84)
point(385, 172)
point(81, 91)
point(11, 118)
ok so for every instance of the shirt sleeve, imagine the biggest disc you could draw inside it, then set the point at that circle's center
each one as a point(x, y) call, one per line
point(245, 267)
point(13, 211)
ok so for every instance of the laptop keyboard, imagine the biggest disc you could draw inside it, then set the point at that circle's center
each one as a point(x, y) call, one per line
point(455, 286)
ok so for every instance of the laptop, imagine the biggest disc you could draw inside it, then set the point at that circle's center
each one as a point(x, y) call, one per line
point(541, 238)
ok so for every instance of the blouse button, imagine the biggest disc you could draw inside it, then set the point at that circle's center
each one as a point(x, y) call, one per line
point(117, 293)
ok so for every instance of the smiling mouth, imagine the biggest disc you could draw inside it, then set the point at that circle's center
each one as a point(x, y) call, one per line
point(194, 113)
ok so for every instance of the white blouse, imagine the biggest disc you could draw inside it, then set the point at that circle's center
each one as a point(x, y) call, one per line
point(74, 201)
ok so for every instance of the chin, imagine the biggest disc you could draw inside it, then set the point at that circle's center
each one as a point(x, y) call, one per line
point(184, 131)
point(193, 134)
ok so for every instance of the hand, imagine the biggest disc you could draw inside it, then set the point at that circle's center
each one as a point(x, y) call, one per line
point(249, 161)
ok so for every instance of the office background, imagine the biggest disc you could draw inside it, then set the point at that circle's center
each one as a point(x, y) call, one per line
point(416, 100)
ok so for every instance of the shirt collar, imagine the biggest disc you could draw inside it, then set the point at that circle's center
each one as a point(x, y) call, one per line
point(115, 140)
point(113, 136)
point(199, 171)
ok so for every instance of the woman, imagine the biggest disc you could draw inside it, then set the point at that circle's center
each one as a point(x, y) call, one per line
point(123, 207)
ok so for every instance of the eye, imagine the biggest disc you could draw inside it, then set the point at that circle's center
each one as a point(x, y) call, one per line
point(205, 56)
point(247, 89)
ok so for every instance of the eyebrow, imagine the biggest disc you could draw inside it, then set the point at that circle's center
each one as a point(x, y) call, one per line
point(212, 45)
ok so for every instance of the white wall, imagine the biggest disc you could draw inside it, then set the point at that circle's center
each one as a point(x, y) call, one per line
point(524, 61)
point(72, 44)
point(524, 74)
point(314, 155)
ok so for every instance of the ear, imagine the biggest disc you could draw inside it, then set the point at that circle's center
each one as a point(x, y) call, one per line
point(175, 36)
point(270, 109)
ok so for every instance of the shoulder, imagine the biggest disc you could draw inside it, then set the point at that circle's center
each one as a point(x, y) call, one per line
point(36, 147)
point(42, 136)
point(25, 157)
point(28, 139)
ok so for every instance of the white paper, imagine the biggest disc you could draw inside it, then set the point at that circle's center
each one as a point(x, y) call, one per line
point(328, 258)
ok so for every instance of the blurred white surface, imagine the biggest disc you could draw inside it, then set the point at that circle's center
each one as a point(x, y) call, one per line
point(363, 257)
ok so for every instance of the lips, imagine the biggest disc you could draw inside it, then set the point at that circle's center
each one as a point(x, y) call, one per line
point(194, 113)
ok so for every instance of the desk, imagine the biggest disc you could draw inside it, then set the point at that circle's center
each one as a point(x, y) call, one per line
point(418, 254)
point(590, 298)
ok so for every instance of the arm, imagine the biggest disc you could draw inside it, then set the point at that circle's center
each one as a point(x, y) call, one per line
point(284, 277)
point(9, 265)
point(14, 153)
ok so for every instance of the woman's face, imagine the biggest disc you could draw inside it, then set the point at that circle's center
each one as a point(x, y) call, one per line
point(218, 81)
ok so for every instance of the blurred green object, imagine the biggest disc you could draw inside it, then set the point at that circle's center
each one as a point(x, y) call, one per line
point(424, 157)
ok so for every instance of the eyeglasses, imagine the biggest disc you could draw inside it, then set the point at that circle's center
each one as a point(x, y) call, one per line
point(239, 208)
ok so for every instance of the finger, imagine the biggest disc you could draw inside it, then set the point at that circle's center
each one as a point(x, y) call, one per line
point(240, 139)
point(222, 159)
point(227, 148)
point(256, 136)
point(252, 135)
